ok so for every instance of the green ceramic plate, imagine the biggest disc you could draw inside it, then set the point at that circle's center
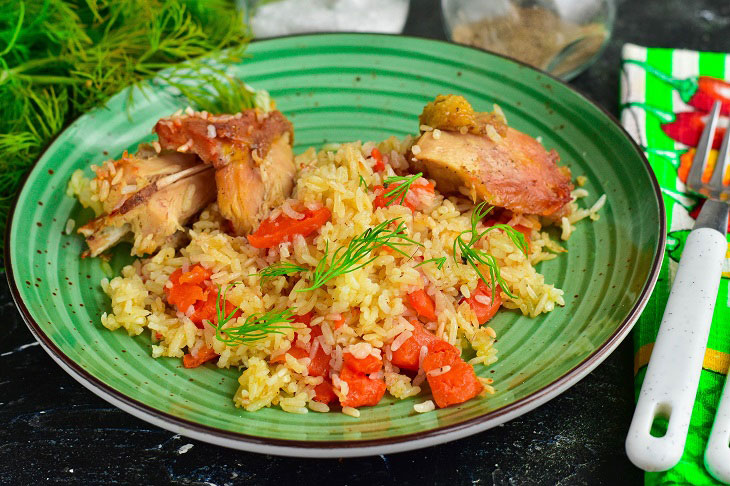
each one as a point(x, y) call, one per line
point(338, 88)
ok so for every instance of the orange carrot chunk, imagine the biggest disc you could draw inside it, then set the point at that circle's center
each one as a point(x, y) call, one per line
point(407, 355)
point(188, 290)
point(339, 322)
point(206, 310)
point(423, 304)
point(484, 311)
point(323, 393)
point(379, 162)
point(367, 365)
point(196, 275)
point(455, 384)
point(526, 232)
point(320, 365)
point(304, 318)
point(204, 355)
point(362, 390)
point(413, 196)
point(272, 232)
point(182, 296)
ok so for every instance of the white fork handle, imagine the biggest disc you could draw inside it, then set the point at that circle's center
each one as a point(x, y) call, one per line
point(717, 454)
point(670, 385)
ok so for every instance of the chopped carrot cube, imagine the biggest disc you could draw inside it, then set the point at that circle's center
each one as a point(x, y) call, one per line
point(324, 393)
point(483, 311)
point(368, 364)
point(183, 296)
point(207, 309)
point(423, 304)
point(379, 162)
point(196, 275)
point(413, 196)
point(408, 354)
point(339, 322)
point(305, 318)
point(320, 365)
point(272, 232)
point(362, 391)
point(204, 355)
point(457, 384)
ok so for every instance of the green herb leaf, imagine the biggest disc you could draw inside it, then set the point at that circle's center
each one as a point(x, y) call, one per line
point(356, 254)
point(254, 328)
point(473, 256)
point(401, 190)
point(279, 270)
point(363, 183)
point(439, 262)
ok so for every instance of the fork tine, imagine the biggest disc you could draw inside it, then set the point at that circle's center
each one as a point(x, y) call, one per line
point(718, 173)
point(699, 162)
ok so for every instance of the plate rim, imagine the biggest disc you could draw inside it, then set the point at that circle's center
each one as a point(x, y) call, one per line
point(352, 448)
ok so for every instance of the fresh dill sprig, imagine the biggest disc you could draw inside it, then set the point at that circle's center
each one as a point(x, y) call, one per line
point(279, 270)
point(474, 256)
point(254, 328)
point(401, 190)
point(349, 258)
point(61, 58)
point(438, 261)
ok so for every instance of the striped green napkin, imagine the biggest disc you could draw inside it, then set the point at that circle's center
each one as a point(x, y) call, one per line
point(665, 93)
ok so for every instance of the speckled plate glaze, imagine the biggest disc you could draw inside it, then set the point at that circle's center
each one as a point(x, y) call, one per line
point(338, 88)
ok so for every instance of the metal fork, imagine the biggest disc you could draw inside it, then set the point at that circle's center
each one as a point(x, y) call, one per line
point(670, 385)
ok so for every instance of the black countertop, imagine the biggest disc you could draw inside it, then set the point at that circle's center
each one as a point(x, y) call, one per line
point(54, 430)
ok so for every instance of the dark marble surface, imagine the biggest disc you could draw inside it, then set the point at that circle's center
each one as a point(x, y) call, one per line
point(54, 430)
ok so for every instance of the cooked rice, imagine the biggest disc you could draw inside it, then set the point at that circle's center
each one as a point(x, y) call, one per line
point(70, 225)
point(331, 178)
point(424, 407)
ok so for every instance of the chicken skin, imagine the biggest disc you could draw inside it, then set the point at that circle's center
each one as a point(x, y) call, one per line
point(252, 156)
point(478, 155)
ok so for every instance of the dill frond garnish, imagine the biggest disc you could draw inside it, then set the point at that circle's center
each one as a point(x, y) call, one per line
point(279, 270)
point(438, 261)
point(401, 190)
point(254, 328)
point(356, 254)
point(61, 58)
point(475, 256)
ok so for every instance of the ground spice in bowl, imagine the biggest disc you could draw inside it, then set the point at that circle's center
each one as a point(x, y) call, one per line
point(537, 36)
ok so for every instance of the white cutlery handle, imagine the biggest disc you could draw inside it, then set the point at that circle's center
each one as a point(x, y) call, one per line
point(670, 385)
point(717, 454)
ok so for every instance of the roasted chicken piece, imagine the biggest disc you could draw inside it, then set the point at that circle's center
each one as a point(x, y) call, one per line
point(478, 155)
point(252, 155)
point(150, 195)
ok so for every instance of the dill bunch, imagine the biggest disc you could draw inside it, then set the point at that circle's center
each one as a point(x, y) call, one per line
point(59, 59)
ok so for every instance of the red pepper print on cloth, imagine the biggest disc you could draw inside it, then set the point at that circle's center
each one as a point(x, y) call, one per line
point(699, 92)
point(686, 127)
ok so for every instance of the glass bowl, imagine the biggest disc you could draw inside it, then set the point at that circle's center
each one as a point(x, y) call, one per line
point(272, 18)
point(562, 37)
